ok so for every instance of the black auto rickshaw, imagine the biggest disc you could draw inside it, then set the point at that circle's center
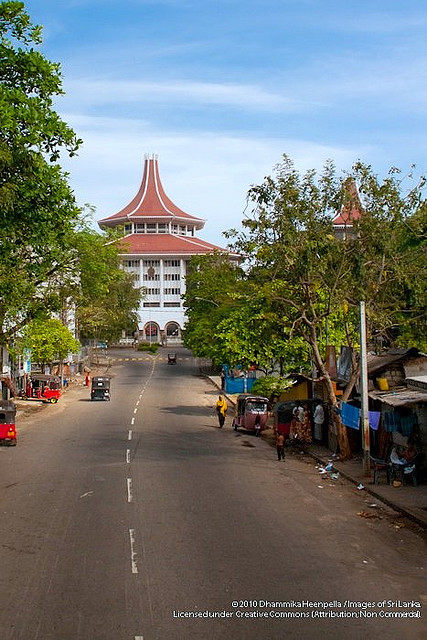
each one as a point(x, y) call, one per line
point(100, 388)
point(7, 422)
point(171, 358)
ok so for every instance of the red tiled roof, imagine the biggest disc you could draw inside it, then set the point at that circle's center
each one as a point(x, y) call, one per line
point(153, 244)
point(352, 209)
point(151, 201)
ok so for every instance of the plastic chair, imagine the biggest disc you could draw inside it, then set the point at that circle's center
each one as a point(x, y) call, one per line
point(378, 465)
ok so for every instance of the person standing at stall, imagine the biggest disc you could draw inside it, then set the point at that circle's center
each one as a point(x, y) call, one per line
point(221, 409)
point(319, 418)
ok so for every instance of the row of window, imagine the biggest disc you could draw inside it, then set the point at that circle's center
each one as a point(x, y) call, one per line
point(152, 263)
point(156, 277)
point(159, 227)
point(168, 292)
point(165, 304)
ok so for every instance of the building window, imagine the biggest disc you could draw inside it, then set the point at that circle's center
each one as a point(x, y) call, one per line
point(151, 228)
point(152, 277)
point(161, 228)
point(151, 263)
point(175, 228)
point(131, 263)
point(139, 228)
point(171, 304)
point(182, 231)
point(172, 292)
point(152, 292)
point(128, 228)
point(172, 263)
point(151, 304)
point(172, 276)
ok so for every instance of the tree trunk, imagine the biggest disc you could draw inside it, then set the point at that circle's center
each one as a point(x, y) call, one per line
point(341, 430)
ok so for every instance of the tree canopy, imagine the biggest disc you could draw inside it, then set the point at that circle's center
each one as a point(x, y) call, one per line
point(49, 341)
point(37, 207)
point(301, 284)
point(49, 254)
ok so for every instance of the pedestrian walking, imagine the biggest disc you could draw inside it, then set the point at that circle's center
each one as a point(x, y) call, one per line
point(222, 380)
point(221, 409)
point(280, 445)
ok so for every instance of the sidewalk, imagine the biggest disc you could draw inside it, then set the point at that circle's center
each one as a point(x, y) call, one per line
point(408, 500)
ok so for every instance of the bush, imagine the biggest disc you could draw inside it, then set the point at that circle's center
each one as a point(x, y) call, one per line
point(269, 386)
point(147, 346)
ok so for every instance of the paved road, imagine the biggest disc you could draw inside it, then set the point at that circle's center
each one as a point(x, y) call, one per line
point(115, 515)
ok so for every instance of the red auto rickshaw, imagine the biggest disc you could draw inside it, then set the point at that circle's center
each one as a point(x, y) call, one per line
point(251, 413)
point(43, 388)
point(7, 423)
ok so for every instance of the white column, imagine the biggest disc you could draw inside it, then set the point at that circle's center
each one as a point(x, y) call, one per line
point(162, 284)
point(183, 274)
point(141, 272)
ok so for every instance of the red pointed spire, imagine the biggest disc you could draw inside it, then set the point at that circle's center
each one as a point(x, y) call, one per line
point(151, 201)
point(351, 209)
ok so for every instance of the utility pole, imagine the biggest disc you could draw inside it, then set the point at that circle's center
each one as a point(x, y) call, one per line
point(364, 391)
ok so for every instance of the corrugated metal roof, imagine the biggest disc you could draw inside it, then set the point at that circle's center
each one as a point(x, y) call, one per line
point(377, 363)
point(400, 396)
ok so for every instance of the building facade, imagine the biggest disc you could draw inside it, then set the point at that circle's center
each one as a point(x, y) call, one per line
point(160, 239)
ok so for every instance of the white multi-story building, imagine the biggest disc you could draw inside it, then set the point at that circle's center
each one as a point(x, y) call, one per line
point(160, 239)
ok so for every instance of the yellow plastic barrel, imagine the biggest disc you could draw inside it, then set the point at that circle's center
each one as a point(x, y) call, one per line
point(383, 384)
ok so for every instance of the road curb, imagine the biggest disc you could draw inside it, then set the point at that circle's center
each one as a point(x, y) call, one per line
point(347, 476)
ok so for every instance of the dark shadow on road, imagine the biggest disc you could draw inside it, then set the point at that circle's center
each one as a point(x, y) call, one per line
point(184, 410)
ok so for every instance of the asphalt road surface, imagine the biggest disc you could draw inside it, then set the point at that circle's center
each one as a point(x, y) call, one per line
point(118, 519)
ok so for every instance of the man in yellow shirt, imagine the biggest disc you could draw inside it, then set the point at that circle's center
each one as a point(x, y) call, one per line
point(221, 409)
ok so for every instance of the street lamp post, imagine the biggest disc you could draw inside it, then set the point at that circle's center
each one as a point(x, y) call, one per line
point(364, 391)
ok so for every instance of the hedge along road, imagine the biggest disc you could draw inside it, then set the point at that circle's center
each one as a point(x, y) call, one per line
point(131, 518)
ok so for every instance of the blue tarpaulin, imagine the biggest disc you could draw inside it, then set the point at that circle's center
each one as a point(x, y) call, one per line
point(237, 385)
point(350, 415)
point(374, 419)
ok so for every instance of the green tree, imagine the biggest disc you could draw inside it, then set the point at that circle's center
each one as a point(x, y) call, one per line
point(105, 295)
point(298, 262)
point(38, 213)
point(49, 341)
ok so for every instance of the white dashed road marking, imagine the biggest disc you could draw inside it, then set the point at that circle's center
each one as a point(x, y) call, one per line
point(135, 410)
point(132, 421)
point(128, 456)
point(130, 434)
point(132, 551)
point(129, 486)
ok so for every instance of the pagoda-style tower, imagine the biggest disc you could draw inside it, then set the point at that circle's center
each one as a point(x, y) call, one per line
point(350, 212)
point(160, 239)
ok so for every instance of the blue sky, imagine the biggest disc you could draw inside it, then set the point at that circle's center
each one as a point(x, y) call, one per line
point(221, 88)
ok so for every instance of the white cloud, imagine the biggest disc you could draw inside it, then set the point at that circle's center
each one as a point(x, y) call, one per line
point(96, 92)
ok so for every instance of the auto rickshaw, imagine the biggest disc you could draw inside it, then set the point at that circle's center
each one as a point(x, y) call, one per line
point(100, 388)
point(7, 423)
point(251, 413)
point(43, 388)
point(171, 358)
